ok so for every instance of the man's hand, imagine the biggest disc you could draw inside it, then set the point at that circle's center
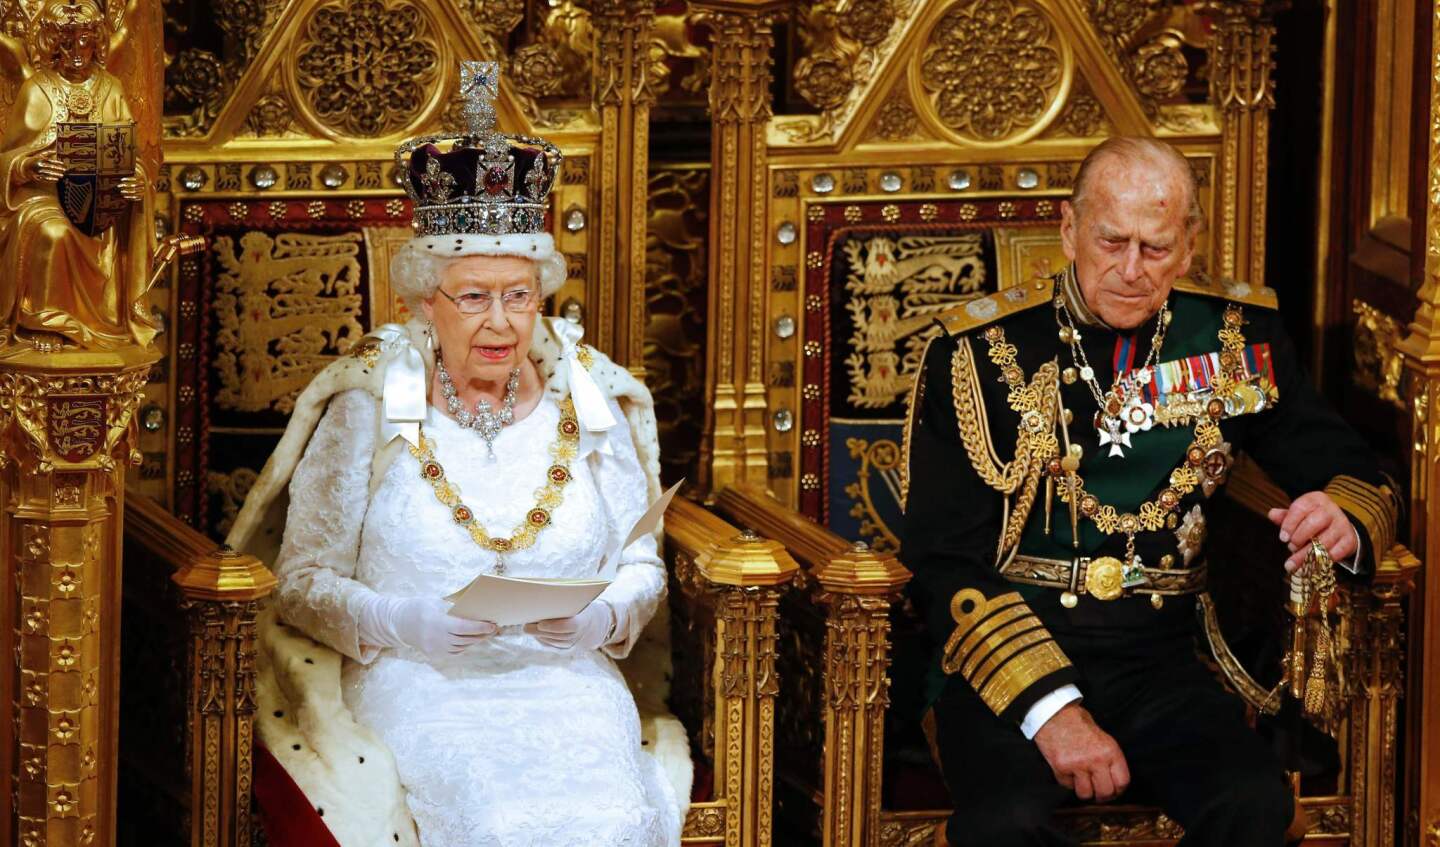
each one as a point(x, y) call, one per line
point(1083, 757)
point(1311, 516)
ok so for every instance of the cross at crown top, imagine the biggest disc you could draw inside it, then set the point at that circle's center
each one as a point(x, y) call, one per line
point(479, 86)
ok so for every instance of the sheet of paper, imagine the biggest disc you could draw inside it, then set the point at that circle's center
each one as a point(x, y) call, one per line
point(513, 599)
point(508, 600)
point(643, 527)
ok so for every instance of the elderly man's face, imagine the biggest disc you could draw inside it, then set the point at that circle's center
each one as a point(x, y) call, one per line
point(1131, 242)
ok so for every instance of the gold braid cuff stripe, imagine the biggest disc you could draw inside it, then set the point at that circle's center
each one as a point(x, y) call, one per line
point(1374, 506)
point(999, 646)
point(1020, 673)
point(981, 643)
point(548, 499)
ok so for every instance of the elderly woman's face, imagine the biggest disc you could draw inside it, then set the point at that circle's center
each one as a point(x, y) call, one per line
point(484, 315)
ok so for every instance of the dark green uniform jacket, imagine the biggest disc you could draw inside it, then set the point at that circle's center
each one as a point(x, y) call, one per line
point(1015, 643)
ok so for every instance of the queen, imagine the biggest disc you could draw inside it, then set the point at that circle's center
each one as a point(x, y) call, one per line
point(479, 438)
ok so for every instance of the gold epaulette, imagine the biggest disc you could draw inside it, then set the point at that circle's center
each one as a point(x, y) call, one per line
point(1239, 292)
point(985, 310)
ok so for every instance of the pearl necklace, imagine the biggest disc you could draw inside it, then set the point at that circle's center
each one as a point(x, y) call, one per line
point(483, 420)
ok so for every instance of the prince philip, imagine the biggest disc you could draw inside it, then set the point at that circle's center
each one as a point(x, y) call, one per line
point(1065, 439)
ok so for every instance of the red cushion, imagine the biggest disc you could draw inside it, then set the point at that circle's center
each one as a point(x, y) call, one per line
point(288, 817)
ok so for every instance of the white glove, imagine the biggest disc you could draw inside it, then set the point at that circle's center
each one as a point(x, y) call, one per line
point(421, 623)
point(590, 630)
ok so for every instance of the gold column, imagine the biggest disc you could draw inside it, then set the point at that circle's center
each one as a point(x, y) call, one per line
point(858, 587)
point(622, 97)
point(1241, 55)
point(221, 591)
point(67, 423)
point(1377, 677)
point(1421, 349)
point(748, 575)
point(735, 449)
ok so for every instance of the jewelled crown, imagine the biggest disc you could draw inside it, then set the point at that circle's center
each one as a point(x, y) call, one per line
point(485, 183)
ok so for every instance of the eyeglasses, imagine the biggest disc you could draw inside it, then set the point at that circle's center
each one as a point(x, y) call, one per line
point(516, 301)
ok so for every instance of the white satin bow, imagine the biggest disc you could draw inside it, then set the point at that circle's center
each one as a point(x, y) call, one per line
point(591, 407)
point(404, 393)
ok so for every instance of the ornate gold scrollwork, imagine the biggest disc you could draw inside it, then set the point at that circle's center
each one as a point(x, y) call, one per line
point(845, 45)
point(1241, 62)
point(992, 72)
point(367, 69)
point(1154, 63)
point(200, 80)
point(556, 64)
point(496, 19)
point(1082, 117)
point(704, 821)
point(1159, 68)
point(270, 116)
point(78, 419)
point(1378, 365)
point(897, 119)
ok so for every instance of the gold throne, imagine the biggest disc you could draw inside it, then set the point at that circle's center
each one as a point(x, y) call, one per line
point(773, 296)
point(911, 174)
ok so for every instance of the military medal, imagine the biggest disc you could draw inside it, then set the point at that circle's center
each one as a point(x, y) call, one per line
point(1122, 410)
point(1114, 433)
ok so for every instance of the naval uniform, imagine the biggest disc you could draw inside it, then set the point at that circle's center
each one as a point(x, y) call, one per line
point(1025, 615)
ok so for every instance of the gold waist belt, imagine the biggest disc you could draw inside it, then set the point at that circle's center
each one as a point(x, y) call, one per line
point(1102, 577)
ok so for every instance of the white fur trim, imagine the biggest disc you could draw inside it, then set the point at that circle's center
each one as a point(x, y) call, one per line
point(365, 806)
point(340, 765)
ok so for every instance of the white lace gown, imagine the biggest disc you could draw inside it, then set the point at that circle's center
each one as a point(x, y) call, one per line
point(511, 743)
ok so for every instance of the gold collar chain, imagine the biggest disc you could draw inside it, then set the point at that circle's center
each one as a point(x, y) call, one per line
point(547, 500)
point(1124, 393)
point(1151, 516)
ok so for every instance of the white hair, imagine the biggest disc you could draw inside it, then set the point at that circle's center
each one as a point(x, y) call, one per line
point(416, 268)
point(1134, 149)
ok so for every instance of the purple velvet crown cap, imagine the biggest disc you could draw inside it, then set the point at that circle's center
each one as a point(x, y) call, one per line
point(463, 165)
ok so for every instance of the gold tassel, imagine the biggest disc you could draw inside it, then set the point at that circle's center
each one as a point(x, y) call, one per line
point(1315, 682)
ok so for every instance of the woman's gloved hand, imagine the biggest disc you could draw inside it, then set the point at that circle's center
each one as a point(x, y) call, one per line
point(590, 630)
point(421, 623)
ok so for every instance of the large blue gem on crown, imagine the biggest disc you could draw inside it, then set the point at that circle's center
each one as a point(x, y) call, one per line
point(479, 182)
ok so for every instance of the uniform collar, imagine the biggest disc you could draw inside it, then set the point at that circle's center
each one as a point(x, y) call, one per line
point(1069, 285)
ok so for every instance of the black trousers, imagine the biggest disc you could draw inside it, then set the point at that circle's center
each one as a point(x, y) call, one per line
point(1185, 740)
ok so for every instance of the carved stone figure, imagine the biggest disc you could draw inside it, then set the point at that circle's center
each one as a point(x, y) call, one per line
point(60, 285)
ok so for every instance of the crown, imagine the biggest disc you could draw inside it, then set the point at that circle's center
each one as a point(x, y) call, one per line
point(485, 183)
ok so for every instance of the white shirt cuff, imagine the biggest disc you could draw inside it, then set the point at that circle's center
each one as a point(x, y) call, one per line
point(1353, 563)
point(1046, 707)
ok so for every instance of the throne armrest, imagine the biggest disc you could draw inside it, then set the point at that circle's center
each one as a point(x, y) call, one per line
point(725, 592)
point(853, 589)
point(220, 592)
